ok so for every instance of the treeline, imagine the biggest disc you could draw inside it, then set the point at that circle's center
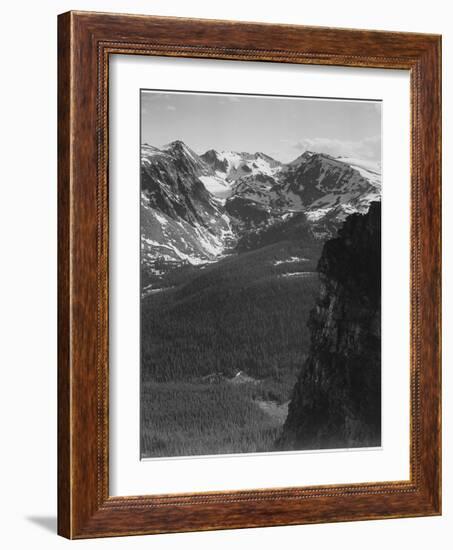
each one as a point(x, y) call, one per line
point(224, 325)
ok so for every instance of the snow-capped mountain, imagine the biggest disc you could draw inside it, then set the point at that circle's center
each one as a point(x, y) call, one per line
point(321, 186)
point(181, 222)
point(196, 208)
point(170, 181)
point(368, 169)
point(231, 165)
point(322, 181)
point(301, 159)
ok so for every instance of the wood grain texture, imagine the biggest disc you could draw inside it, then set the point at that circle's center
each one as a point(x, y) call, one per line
point(64, 367)
point(85, 42)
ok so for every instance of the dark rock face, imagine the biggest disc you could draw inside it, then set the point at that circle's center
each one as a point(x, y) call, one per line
point(336, 402)
point(169, 180)
point(211, 158)
point(314, 176)
point(249, 212)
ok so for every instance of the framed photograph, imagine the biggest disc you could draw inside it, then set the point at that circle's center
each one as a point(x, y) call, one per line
point(249, 275)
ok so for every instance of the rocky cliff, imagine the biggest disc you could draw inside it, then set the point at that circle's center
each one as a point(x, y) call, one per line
point(336, 402)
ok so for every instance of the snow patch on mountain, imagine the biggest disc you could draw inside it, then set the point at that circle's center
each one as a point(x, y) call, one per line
point(195, 209)
point(290, 260)
point(216, 185)
point(234, 165)
point(176, 241)
point(368, 169)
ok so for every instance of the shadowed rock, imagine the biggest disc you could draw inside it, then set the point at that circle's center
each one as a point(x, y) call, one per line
point(336, 402)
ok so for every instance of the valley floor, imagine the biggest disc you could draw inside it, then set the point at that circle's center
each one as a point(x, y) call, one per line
point(221, 349)
point(189, 419)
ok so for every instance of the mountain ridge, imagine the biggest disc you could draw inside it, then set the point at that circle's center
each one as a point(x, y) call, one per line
point(197, 208)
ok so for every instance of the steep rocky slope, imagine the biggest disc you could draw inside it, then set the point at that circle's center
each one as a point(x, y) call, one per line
point(321, 182)
point(336, 402)
point(232, 165)
point(325, 188)
point(181, 221)
point(195, 209)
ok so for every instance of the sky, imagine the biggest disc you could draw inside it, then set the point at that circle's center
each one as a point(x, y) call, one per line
point(281, 127)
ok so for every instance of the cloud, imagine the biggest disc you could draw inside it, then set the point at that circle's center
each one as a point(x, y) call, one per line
point(367, 148)
point(171, 108)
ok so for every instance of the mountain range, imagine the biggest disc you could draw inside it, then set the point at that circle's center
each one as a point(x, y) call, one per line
point(197, 209)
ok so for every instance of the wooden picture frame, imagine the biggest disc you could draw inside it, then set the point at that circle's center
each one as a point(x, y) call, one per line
point(85, 42)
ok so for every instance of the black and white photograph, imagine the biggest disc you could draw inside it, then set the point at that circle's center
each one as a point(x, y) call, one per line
point(227, 282)
point(260, 273)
